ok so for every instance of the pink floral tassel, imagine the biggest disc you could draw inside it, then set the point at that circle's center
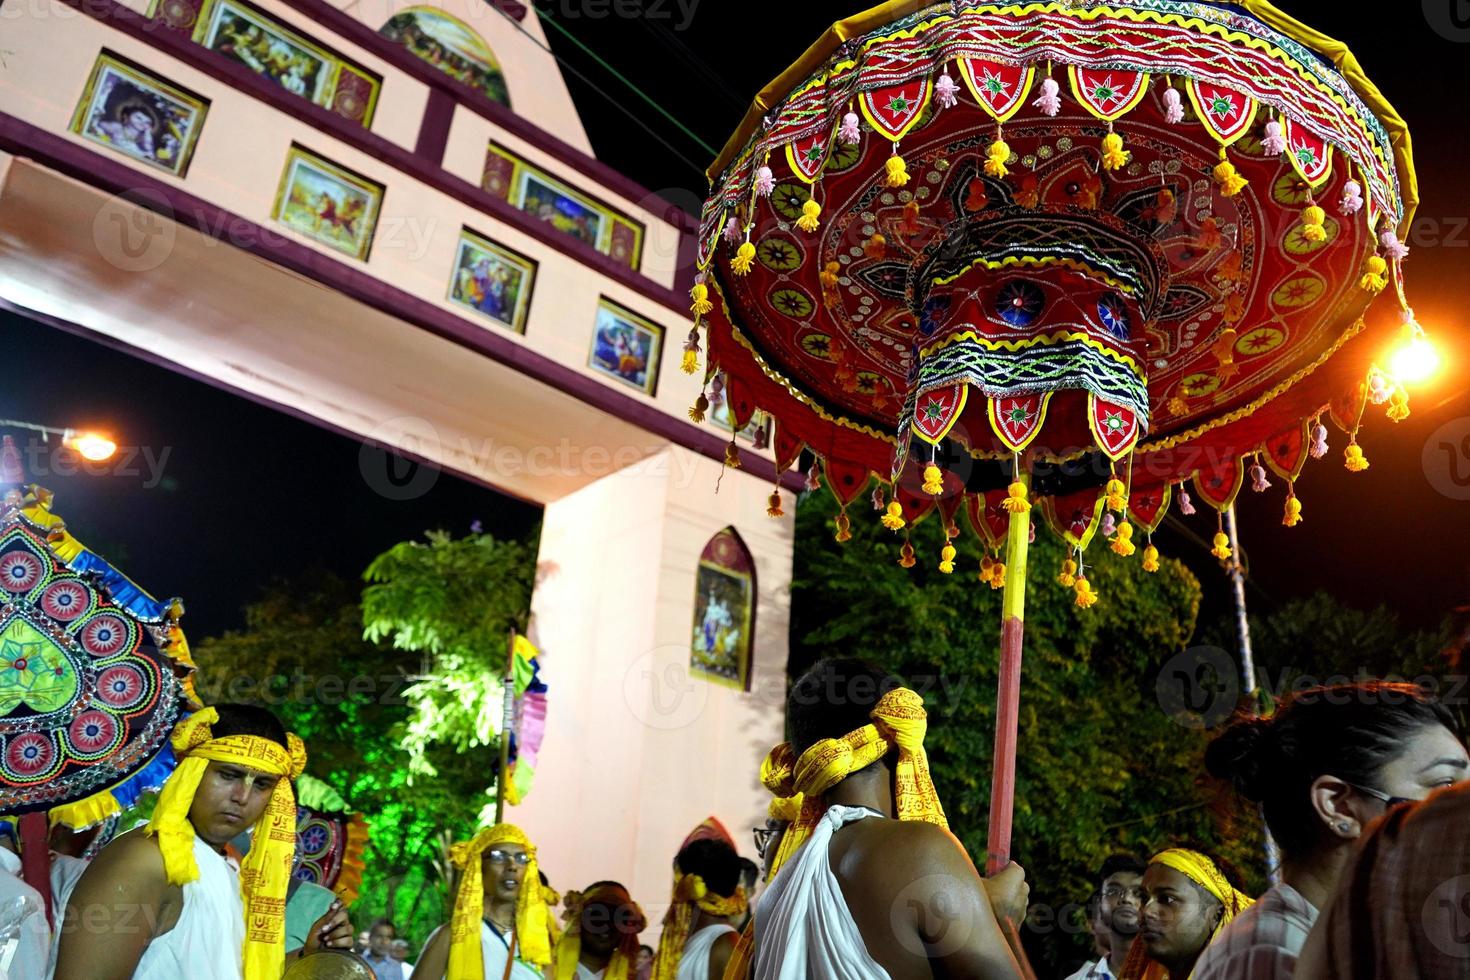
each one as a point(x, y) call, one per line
point(1186, 505)
point(1319, 441)
point(1050, 102)
point(765, 181)
point(1392, 247)
point(945, 90)
point(732, 230)
point(1259, 483)
point(848, 132)
point(1352, 198)
point(1173, 107)
point(1274, 143)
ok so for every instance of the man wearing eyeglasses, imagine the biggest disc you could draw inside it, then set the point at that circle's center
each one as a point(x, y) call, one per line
point(1119, 899)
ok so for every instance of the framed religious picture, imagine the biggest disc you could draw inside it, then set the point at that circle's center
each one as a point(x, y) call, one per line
point(296, 63)
point(450, 45)
point(626, 346)
point(724, 612)
point(139, 115)
point(492, 280)
point(328, 203)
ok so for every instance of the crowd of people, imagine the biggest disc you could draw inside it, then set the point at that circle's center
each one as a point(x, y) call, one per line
point(1361, 786)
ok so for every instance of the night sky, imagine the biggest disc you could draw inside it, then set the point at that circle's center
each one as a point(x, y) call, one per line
point(246, 493)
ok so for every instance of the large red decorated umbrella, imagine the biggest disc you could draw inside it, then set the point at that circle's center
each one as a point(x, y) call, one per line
point(1063, 256)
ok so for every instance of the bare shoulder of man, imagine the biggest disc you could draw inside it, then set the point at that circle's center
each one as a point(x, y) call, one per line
point(118, 907)
point(935, 899)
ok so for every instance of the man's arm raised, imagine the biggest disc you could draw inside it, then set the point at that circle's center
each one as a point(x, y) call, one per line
point(434, 960)
point(114, 911)
point(952, 910)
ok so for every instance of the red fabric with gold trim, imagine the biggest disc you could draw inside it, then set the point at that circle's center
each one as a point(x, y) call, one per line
point(1226, 113)
point(988, 517)
point(1311, 156)
point(846, 480)
point(806, 157)
point(1107, 93)
point(742, 405)
point(917, 505)
point(1000, 89)
point(1218, 484)
point(938, 410)
point(949, 508)
point(893, 109)
point(1018, 419)
point(1113, 426)
point(787, 448)
point(1148, 507)
point(1346, 408)
point(1075, 517)
point(1287, 452)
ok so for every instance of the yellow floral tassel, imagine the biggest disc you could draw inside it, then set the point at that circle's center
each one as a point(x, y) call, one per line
point(844, 527)
point(1313, 229)
point(811, 212)
point(996, 157)
point(1123, 540)
point(773, 505)
point(697, 410)
point(998, 575)
point(732, 455)
point(1230, 181)
point(1221, 550)
point(1086, 596)
point(1150, 559)
point(987, 568)
point(1068, 576)
point(906, 555)
point(1398, 404)
point(1016, 502)
point(933, 480)
point(893, 516)
point(700, 296)
point(828, 275)
point(690, 362)
point(1293, 515)
point(876, 247)
point(1374, 279)
point(1354, 459)
point(946, 558)
point(1117, 495)
point(1114, 157)
point(743, 260)
point(895, 172)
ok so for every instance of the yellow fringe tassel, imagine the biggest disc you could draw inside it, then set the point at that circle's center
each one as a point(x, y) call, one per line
point(1086, 596)
point(946, 558)
point(1117, 495)
point(700, 295)
point(1398, 405)
point(1068, 576)
point(933, 480)
point(1150, 559)
point(893, 516)
point(773, 507)
point(1293, 515)
point(1374, 279)
point(998, 575)
point(1354, 459)
point(811, 211)
point(697, 410)
point(743, 260)
point(1114, 157)
point(895, 172)
point(690, 362)
point(732, 455)
point(1313, 229)
point(1016, 502)
point(1230, 181)
point(844, 527)
point(996, 157)
point(1123, 540)
point(1221, 550)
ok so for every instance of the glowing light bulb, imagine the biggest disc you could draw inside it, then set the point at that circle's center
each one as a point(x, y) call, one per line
point(1414, 360)
point(92, 446)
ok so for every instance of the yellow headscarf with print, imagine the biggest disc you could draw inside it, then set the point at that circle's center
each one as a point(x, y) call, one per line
point(1199, 869)
point(532, 939)
point(624, 961)
point(691, 896)
point(798, 782)
point(266, 870)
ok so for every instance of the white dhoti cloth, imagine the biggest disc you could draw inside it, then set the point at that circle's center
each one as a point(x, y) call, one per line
point(803, 927)
point(694, 965)
point(208, 941)
point(495, 949)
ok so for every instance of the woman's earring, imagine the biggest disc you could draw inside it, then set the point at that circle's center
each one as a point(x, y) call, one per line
point(1343, 827)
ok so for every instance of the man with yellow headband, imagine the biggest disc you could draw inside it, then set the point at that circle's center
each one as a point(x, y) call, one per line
point(699, 932)
point(601, 941)
point(869, 883)
point(1188, 899)
point(501, 927)
point(164, 902)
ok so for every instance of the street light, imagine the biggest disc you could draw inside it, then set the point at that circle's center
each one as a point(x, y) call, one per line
point(1414, 357)
point(88, 444)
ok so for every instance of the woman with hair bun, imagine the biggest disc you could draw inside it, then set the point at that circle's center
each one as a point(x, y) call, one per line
point(1328, 763)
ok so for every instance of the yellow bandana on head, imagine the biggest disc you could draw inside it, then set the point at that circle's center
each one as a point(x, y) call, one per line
point(1199, 869)
point(532, 939)
point(266, 870)
point(798, 783)
point(624, 961)
point(691, 896)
